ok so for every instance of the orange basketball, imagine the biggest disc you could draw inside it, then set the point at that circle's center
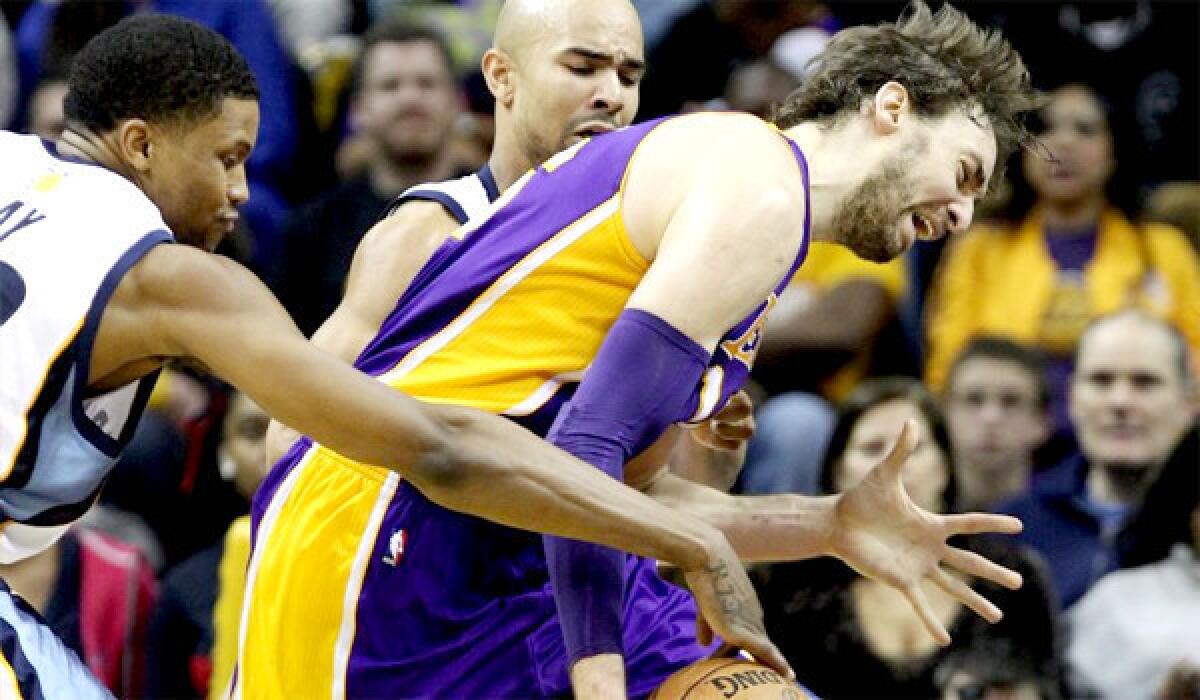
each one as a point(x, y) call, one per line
point(728, 679)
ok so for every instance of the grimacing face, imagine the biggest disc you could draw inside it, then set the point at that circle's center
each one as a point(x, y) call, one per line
point(925, 187)
point(993, 414)
point(1128, 402)
point(925, 473)
point(579, 82)
point(408, 100)
point(197, 172)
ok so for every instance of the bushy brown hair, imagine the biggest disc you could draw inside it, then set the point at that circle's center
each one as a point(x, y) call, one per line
point(942, 58)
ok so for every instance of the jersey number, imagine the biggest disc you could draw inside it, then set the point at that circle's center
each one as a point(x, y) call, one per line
point(12, 291)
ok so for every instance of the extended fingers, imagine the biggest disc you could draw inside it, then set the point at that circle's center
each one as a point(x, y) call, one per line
point(967, 596)
point(916, 598)
point(977, 523)
point(981, 567)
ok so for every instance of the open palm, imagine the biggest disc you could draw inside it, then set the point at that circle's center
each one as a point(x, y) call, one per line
point(882, 534)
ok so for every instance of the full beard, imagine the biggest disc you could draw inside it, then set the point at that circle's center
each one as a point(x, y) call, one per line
point(866, 222)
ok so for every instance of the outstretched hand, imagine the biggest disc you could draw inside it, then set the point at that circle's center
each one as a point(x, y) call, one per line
point(880, 533)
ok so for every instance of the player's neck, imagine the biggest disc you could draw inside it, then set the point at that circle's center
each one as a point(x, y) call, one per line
point(81, 143)
point(830, 178)
point(507, 162)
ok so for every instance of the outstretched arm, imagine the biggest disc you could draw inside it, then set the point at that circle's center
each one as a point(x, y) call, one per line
point(874, 527)
point(180, 302)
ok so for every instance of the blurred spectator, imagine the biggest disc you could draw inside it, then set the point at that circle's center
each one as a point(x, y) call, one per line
point(850, 637)
point(1176, 204)
point(996, 403)
point(8, 77)
point(1074, 257)
point(1145, 55)
point(1130, 405)
point(96, 593)
point(819, 342)
point(1151, 614)
point(52, 31)
point(46, 109)
point(181, 658)
point(404, 103)
point(466, 25)
point(693, 62)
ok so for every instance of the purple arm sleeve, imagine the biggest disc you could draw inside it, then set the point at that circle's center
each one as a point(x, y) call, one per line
point(643, 379)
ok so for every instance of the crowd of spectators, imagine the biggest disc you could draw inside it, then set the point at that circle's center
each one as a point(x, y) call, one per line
point(1048, 356)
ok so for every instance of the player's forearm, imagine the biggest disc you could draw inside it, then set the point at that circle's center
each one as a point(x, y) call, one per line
point(509, 475)
point(783, 527)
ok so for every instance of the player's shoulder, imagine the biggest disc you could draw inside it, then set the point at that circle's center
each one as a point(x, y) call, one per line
point(713, 132)
point(80, 190)
point(462, 198)
point(727, 144)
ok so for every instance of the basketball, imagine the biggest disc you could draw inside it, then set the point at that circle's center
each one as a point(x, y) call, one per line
point(724, 679)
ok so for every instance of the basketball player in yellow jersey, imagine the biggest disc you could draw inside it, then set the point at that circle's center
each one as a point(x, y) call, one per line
point(560, 72)
point(718, 209)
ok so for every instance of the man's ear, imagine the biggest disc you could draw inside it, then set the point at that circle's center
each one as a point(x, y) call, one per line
point(498, 71)
point(135, 143)
point(891, 105)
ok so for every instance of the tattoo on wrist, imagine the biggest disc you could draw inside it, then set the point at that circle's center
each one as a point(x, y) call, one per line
point(731, 603)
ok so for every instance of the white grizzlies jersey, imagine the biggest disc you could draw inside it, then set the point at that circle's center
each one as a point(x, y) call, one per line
point(465, 197)
point(69, 231)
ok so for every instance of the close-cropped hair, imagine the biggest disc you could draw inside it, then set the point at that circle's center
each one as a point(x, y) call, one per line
point(154, 67)
point(943, 59)
point(1181, 353)
point(995, 347)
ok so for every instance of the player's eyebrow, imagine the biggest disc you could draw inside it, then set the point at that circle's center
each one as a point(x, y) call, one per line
point(635, 64)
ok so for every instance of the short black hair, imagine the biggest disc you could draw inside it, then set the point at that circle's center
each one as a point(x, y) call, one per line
point(1000, 348)
point(399, 33)
point(154, 67)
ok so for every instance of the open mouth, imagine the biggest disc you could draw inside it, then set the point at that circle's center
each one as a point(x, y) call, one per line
point(926, 230)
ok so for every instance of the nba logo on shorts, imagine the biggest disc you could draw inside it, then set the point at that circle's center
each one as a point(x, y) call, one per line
point(395, 548)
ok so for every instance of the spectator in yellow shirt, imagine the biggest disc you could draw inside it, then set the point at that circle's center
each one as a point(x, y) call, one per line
point(1073, 258)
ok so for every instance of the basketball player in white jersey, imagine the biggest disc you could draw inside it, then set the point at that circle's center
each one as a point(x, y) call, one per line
point(95, 298)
